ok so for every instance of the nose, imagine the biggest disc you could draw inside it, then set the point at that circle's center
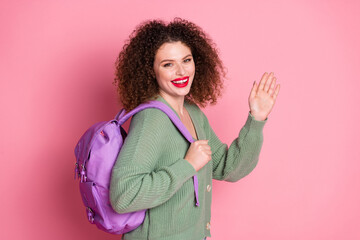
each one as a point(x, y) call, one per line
point(180, 70)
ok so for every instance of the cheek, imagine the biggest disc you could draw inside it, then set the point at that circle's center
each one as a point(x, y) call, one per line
point(169, 74)
point(191, 69)
point(163, 77)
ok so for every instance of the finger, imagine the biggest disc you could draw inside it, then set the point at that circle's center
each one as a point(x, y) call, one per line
point(206, 147)
point(277, 89)
point(202, 142)
point(253, 90)
point(268, 82)
point(262, 81)
point(203, 147)
point(207, 152)
point(272, 87)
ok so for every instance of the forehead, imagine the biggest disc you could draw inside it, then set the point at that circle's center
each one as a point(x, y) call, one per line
point(172, 50)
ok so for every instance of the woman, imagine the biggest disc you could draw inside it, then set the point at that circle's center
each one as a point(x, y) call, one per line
point(177, 64)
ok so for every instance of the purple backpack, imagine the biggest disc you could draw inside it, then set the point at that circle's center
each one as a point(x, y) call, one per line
point(96, 153)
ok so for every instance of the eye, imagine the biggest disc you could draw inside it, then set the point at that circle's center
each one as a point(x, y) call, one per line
point(167, 65)
point(187, 60)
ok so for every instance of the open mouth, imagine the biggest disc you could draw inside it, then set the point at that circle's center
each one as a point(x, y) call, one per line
point(180, 82)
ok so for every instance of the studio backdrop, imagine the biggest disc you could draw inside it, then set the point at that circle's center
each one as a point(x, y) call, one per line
point(57, 69)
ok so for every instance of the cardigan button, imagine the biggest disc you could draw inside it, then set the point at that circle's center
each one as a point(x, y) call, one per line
point(208, 226)
point(208, 188)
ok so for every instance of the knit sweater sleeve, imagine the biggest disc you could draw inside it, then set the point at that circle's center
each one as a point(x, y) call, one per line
point(136, 182)
point(233, 163)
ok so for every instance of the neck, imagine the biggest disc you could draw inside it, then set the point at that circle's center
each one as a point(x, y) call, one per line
point(177, 103)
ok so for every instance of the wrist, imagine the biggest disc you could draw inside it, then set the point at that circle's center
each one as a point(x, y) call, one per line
point(258, 117)
point(191, 163)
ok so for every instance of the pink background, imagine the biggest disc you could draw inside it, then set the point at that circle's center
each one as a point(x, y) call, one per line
point(56, 72)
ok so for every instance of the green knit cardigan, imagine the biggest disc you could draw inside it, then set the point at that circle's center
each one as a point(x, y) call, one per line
point(151, 173)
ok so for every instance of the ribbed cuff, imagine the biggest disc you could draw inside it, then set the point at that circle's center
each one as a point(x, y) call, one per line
point(183, 169)
point(253, 124)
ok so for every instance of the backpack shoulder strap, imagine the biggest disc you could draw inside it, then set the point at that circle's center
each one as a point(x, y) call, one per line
point(121, 117)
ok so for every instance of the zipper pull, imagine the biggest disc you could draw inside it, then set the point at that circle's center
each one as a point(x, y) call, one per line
point(82, 174)
point(76, 170)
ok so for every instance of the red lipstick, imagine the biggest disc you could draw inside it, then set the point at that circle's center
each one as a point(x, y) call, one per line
point(180, 82)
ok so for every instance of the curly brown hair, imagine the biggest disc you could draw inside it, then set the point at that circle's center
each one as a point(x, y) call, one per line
point(135, 76)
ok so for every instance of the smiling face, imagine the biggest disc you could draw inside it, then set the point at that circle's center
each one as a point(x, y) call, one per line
point(174, 69)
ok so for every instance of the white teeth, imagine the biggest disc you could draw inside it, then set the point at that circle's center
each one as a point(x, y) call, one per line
point(181, 81)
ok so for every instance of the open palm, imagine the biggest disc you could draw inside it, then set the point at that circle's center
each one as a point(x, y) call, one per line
point(263, 96)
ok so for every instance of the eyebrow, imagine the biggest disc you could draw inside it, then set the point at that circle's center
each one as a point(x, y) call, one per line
point(189, 55)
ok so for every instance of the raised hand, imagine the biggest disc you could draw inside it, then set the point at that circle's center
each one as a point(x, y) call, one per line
point(263, 96)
